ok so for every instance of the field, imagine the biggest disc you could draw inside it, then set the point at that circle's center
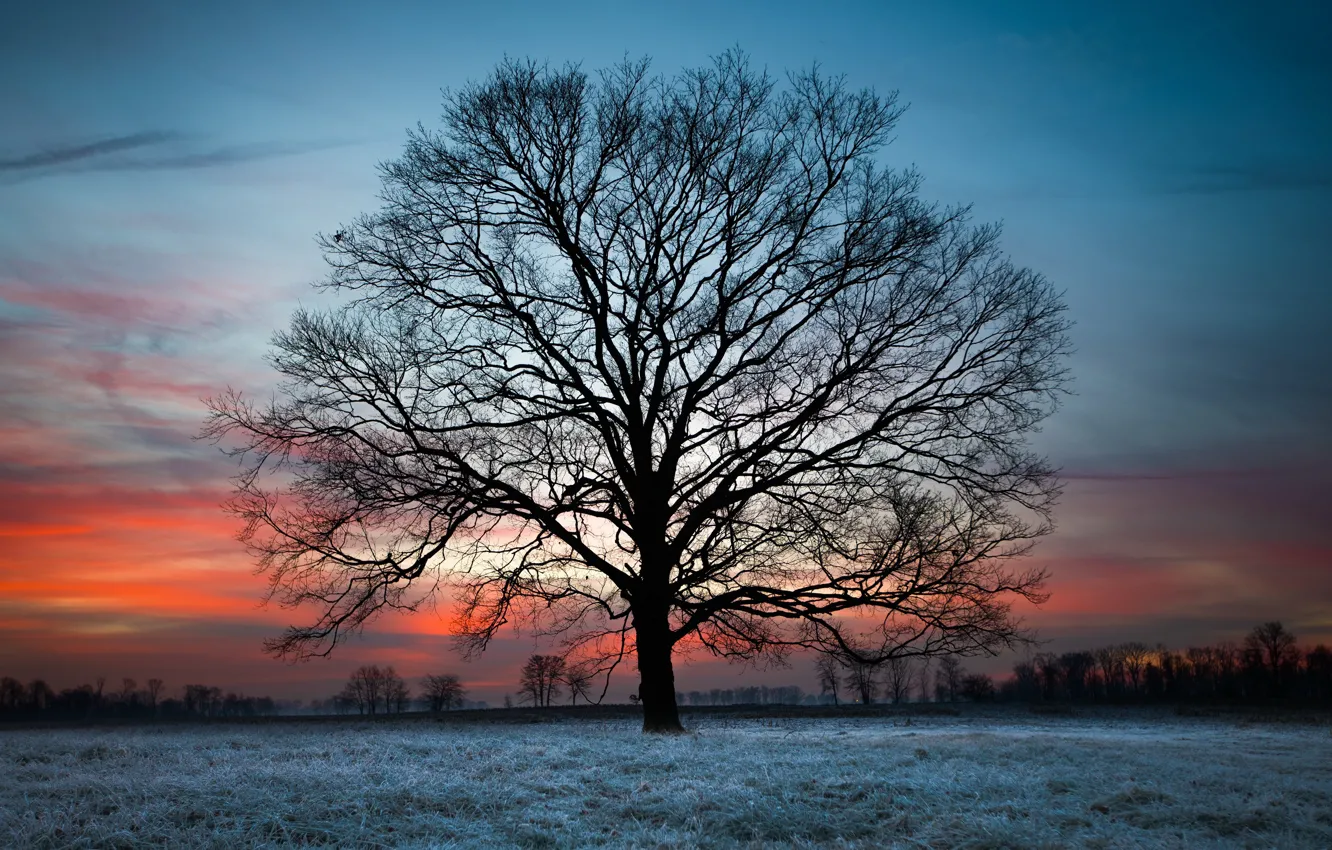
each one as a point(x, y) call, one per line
point(977, 780)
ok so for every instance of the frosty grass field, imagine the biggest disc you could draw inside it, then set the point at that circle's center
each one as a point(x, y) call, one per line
point(1017, 780)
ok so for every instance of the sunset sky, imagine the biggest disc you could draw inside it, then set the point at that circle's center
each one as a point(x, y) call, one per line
point(164, 168)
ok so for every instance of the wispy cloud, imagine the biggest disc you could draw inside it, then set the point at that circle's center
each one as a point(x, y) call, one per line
point(78, 153)
point(222, 156)
point(1129, 476)
point(152, 150)
point(1253, 176)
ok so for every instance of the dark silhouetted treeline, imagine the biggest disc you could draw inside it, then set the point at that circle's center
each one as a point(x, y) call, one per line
point(36, 700)
point(751, 695)
point(1267, 666)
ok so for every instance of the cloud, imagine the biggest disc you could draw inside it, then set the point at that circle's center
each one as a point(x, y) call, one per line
point(223, 156)
point(1130, 476)
point(1179, 180)
point(1252, 176)
point(72, 154)
point(152, 150)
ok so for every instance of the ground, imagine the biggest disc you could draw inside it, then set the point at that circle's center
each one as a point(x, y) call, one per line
point(976, 780)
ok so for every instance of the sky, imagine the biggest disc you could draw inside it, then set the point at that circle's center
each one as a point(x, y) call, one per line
point(164, 168)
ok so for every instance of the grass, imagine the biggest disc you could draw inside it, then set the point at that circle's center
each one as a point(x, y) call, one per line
point(932, 781)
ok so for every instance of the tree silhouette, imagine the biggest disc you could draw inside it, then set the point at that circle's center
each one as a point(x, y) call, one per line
point(397, 696)
point(977, 687)
point(1051, 674)
point(659, 364)
point(829, 674)
point(1135, 656)
point(580, 678)
point(1272, 650)
point(948, 681)
point(443, 691)
point(370, 687)
point(541, 678)
point(1076, 668)
point(154, 691)
point(862, 679)
point(129, 691)
point(1110, 664)
point(1318, 664)
point(897, 680)
point(12, 694)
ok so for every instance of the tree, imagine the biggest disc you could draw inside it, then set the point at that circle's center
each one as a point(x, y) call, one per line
point(1110, 661)
point(1075, 669)
point(924, 682)
point(397, 696)
point(659, 365)
point(1051, 674)
point(370, 686)
point(539, 681)
point(829, 675)
point(353, 694)
point(862, 679)
point(154, 690)
point(1273, 651)
point(897, 680)
point(12, 694)
point(1227, 655)
point(202, 700)
point(1318, 666)
point(129, 691)
point(1026, 681)
point(948, 682)
point(977, 687)
point(1135, 657)
point(443, 692)
point(580, 678)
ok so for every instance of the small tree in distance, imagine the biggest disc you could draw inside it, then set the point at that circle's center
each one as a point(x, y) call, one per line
point(371, 688)
point(581, 679)
point(977, 687)
point(829, 674)
point(1271, 649)
point(397, 696)
point(948, 681)
point(443, 692)
point(898, 676)
point(660, 365)
point(153, 689)
point(862, 679)
point(540, 679)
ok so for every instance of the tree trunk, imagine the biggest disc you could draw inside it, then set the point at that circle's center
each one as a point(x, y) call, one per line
point(656, 688)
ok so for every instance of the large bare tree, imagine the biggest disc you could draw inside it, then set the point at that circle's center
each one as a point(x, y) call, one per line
point(659, 364)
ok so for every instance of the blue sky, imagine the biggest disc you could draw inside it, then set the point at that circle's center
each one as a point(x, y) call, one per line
point(165, 167)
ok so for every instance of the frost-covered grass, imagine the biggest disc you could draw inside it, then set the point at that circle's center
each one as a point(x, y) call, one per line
point(976, 782)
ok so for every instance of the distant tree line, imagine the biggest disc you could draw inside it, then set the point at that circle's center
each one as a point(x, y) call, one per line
point(372, 689)
point(36, 700)
point(899, 680)
point(749, 695)
point(1267, 665)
